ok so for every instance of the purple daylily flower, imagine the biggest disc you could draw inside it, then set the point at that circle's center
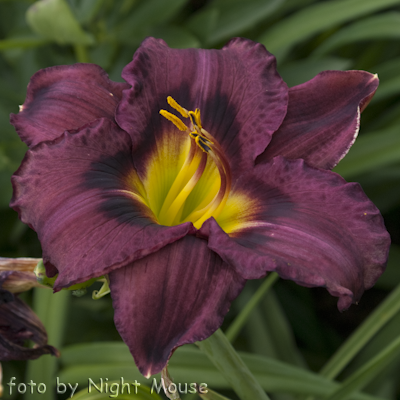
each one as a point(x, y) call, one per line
point(181, 207)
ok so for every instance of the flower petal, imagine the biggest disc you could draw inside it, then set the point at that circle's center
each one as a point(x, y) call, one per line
point(323, 118)
point(82, 196)
point(308, 225)
point(65, 97)
point(175, 296)
point(18, 275)
point(18, 323)
point(241, 97)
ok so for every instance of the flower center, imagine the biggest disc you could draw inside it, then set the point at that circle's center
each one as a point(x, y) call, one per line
point(202, 148)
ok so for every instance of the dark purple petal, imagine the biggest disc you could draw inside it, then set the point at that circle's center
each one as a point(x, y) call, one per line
point(65, 97)
point(18, 323)
point(241, 97)
point(323, 118)
point(18, 281)
point(308, 225)
point(175, 296)
point(80, 194)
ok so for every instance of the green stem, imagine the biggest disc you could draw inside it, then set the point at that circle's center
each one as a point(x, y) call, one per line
point(166, 382)
point(51, 309)
point(384, 313)
point(81, 53)
point(239, 322)
point(224, 357)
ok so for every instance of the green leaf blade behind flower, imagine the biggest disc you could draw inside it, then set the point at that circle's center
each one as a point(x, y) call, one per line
point(176, 37)
point(383, 26)
point(51, 309)
point(317, 18)
point(11, 153)
point(211, 395)
point(371, 151)
point(363, 375)
point(148, 14)
point(365, 332)
point(236, 16)
point(235, 328)
point(22, 42)
point(54, 20)
point(224, 357)
point(300, 71)
point(112, 360)
point(118, 389)
point(388, 88)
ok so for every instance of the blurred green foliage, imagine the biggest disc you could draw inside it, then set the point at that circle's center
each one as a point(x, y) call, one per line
point(293, 331)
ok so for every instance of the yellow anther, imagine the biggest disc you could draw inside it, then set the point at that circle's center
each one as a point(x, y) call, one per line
point(197, 136)
point(195, 118)
point(200, 136)
point(177, 107)
point(174, 119)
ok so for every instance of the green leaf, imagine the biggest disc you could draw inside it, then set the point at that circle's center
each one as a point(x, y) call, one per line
point(235, 328)
point(383, 26)
point(113, 360)
point(387, 89)
point(382, 187)
point(148, 14)
point(237, 16)
point(211, 395)
point(362, 376)
point(256, 331)
point(120, 389)
point(7, 167)
point(386, 118)
point(387, 69)
point(51, 309)
point(203, 22)
point(392, 272)
point(281, 331)
point(381, 315)
point(371, 151)
point(176, 37)
point(299, 307)
point(12, 151)
point(54, 20)
point(301, 71)
point(224, 357)
point(22, 42)
point(87, 10)
point(318, 18)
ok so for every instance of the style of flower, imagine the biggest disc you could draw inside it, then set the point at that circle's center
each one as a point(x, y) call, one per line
point(202, 171)
point(18, 323)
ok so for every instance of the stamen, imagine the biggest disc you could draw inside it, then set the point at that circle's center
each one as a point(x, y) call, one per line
point(187, 170)
point(175, 120)
point(201, 141)
point(177, 107)
point(191, 172)
point(195, 118)
point(215, 206)
point(218, 203)
point(185, 192)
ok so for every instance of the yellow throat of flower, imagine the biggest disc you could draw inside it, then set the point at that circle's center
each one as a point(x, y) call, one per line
point(203, 155)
